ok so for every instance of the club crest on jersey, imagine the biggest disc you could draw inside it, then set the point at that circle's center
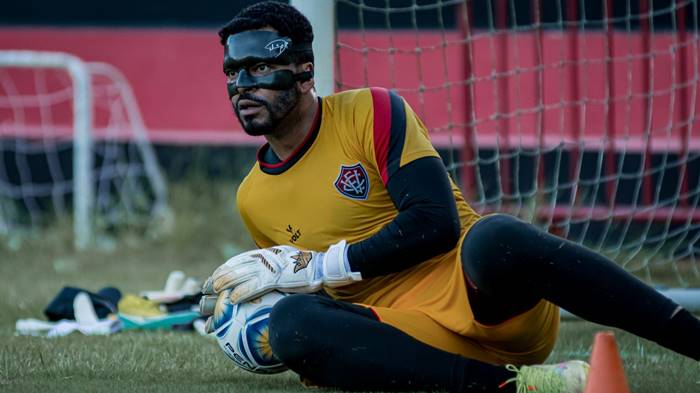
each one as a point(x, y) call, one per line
point(353, 181)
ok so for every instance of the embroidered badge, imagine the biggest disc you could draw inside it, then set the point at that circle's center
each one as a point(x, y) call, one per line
point(353, 181)
point(301, 260)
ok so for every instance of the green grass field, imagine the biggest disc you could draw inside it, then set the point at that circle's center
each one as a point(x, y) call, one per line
point(207, 231)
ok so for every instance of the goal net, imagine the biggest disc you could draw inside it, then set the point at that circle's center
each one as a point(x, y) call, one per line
point(577, 115)
point(73, 148)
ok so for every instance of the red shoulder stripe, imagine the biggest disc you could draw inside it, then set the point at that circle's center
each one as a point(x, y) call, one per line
point(382, 129)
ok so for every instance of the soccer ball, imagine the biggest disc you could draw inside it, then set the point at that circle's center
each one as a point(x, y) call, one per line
point(242, 331)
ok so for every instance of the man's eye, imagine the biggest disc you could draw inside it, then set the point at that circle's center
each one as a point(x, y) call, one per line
point(231, 75)
point(261, 68)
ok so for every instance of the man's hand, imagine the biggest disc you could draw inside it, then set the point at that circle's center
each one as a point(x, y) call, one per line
point(284, 268)
point(212, 306)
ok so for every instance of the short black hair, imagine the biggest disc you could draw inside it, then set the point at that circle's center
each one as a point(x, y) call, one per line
point(284, 18)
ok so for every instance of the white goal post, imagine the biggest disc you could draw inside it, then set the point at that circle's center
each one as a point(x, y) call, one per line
point(82, 124)
point(321, 13)
point(31, 103)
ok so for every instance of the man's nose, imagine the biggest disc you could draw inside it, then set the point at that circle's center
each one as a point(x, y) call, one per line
point(244, 89)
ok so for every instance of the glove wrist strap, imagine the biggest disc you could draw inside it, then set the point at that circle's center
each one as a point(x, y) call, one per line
point(336, 268)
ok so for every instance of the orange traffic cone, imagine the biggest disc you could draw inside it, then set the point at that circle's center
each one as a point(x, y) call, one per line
point(607, 374)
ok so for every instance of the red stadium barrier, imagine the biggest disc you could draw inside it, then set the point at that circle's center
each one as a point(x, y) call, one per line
point(176, 76)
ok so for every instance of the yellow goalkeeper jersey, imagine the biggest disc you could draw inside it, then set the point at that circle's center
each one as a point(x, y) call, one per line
point(334, 187)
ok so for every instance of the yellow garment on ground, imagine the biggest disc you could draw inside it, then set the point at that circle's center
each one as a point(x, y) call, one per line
point(135, 305)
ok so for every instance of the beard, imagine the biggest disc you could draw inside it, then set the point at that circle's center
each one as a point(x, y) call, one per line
point(276, 110)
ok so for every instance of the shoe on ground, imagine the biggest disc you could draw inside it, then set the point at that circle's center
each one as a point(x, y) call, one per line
point(567, 377)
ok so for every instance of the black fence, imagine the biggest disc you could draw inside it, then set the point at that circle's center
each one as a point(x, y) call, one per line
point(369, 14)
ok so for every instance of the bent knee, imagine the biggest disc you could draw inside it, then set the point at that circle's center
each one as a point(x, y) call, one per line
point(499, 226)
point(493, 249)
point(291, 327)
point(488, 235)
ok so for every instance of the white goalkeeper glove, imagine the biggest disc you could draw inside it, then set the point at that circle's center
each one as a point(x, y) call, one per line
point(285, 268)
point(212, 306)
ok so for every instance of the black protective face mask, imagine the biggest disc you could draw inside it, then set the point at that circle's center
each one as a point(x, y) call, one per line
point(248, 48)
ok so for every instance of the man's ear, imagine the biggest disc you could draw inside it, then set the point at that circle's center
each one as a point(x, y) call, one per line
point(309, 84)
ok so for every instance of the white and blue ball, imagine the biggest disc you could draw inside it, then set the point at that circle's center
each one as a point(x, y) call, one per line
point(243, 333)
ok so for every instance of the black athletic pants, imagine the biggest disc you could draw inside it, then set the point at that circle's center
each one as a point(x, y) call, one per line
point(512, 265)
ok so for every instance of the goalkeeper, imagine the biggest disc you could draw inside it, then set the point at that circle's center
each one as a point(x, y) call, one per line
point(401, 285)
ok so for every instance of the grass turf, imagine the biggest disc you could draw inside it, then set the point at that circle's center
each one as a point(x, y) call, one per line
point(33, 269)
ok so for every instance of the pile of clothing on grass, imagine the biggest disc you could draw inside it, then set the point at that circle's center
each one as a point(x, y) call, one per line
point(108, 310)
